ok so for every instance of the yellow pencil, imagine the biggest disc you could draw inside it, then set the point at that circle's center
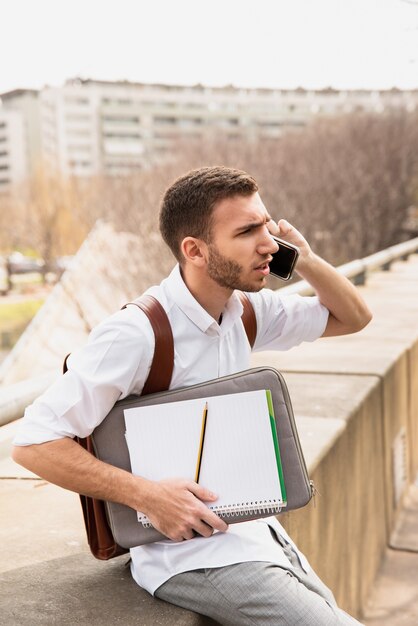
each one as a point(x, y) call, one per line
point(202, 440)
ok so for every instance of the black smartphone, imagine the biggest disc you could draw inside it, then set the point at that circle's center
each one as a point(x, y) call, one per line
point(284, 260)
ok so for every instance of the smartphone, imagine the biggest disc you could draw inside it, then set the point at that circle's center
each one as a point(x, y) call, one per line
point(284, 260)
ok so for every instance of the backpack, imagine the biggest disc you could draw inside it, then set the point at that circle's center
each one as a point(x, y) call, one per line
point(99, 535)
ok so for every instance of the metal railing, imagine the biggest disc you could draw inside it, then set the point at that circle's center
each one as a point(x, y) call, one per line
point(358, 270)
point(14, 398)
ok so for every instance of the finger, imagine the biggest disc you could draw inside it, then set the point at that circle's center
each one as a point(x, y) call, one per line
point(188, 534)
point(217, 523)
point(209, 517)
point(201, 492)
point(203, 529)
point(284, 227)
point(273, 227)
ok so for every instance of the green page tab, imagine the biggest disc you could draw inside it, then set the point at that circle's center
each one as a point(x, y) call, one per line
point(276, 444)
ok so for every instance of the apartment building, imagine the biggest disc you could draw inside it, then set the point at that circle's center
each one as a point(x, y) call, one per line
point(13, 153)
point(89, 127)
point(20, 138)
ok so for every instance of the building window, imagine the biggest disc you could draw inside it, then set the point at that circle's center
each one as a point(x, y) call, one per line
point(122, 135)
point(80, 132)
point(267, 124)
point(77, 118)
point(165, 120)
point(169, 135)
point(190, 121)
point(74, 100)
point(117, 101)
point(74, 163)
point(118, 119)
point(79, 148)
point(194, 105)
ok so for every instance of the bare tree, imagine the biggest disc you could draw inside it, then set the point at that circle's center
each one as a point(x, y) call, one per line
point(346, 183)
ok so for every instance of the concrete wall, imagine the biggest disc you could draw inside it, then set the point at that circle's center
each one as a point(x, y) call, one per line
point(343, 530)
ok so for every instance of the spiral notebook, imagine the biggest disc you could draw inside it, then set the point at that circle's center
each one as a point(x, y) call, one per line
point(229, 440)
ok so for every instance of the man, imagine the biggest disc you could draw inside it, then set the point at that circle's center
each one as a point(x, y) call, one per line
point(219, 230)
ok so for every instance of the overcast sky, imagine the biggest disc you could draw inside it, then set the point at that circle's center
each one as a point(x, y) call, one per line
point(271, 43)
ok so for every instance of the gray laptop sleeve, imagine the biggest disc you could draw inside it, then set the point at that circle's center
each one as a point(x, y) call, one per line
point(110, 446)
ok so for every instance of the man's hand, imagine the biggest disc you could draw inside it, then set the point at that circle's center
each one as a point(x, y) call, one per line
point(348, 313)
point(176, 508)
point(289, 233)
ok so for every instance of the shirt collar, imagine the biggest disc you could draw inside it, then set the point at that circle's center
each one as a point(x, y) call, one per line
point(182, 297)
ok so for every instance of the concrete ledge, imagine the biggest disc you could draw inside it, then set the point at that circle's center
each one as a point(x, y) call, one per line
point(80, 590)
point(38, 522)
point(48, 576)
point(318, 435)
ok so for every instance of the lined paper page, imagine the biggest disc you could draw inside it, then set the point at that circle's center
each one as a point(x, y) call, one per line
point(163, 440)
point(239, 461)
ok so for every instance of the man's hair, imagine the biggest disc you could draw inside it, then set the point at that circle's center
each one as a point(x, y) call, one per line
point(188, 204)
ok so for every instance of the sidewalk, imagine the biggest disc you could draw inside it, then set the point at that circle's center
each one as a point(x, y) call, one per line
point(394, 600)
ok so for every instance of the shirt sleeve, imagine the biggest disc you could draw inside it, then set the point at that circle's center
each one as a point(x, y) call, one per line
point(286, 321)
point(114, 363)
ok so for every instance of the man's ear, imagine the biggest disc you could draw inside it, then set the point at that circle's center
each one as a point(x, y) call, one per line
point(194, 251)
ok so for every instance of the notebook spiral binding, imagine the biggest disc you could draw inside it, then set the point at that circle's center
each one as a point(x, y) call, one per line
point(244, 509)
point(248, 508)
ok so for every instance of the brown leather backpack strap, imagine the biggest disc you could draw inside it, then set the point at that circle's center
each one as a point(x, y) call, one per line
point(161, 371)
point(64, 365)
point(99, 534)
point(248, 318)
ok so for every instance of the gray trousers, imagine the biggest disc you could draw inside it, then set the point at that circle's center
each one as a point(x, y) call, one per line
point(257, 593)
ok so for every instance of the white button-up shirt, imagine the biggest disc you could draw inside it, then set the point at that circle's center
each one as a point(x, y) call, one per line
point(115, 363)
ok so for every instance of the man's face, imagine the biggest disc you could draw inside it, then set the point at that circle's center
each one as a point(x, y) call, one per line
point(241, 245)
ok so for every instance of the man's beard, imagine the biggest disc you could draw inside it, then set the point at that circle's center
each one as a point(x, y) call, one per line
point(227, 272)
